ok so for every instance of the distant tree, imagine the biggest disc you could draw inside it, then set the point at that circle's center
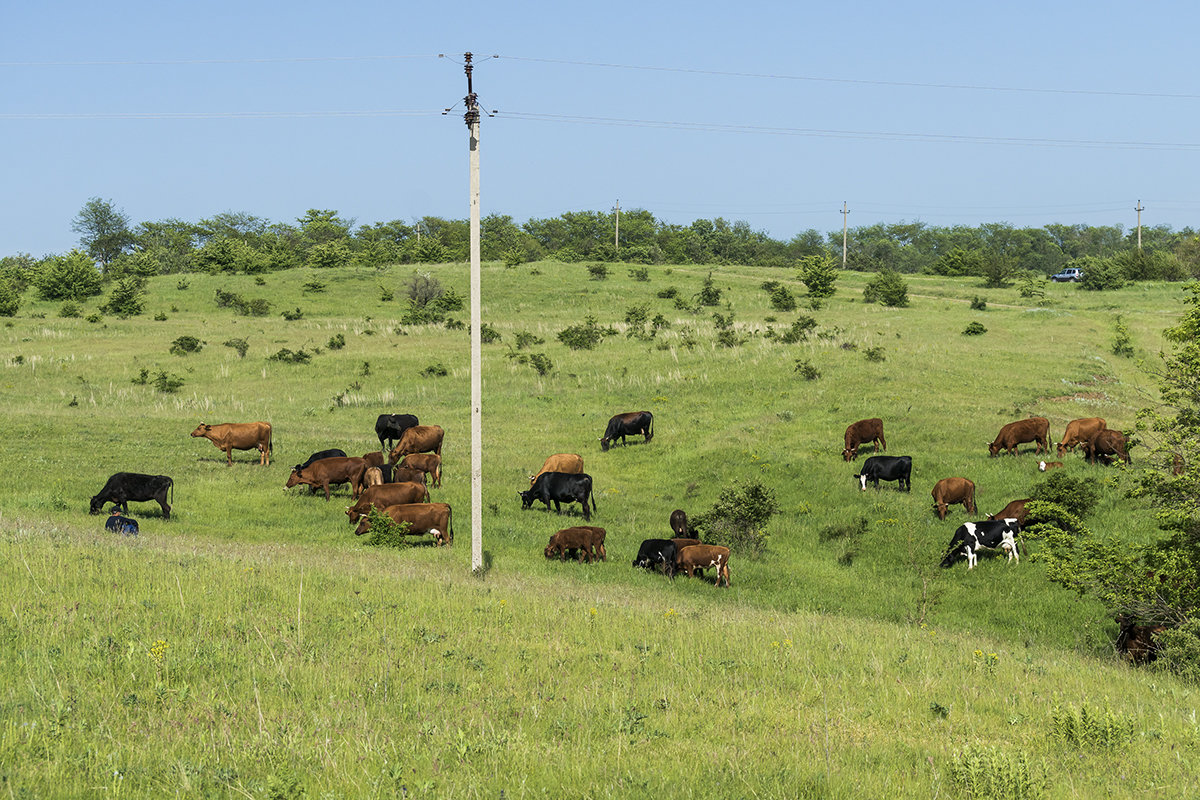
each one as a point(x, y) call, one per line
point(103, 230)
point(10, 300)
point(128, 298)
point(819, 273)
point(887, 288)
point(70, 277)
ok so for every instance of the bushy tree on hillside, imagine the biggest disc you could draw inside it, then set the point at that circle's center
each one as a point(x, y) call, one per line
point(886, 288)
point(819, 273)
point(70, 277)
point(103, 230)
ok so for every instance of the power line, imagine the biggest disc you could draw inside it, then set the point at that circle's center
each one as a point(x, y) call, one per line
point(205, 61)
point(859, 81)
point(384, 112)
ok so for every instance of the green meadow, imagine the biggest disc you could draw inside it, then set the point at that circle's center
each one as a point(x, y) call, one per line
point(252, 646)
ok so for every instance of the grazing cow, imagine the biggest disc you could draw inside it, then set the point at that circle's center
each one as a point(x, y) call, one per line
point(1034, 429)
point(971, 537)
point(630, 424)
point(1014, 510)
point(392, 427)
point(681, 543)
point(679, 523)
point(1079, 431)
point(949, 491)
point(1104, 445)
point(419, 439)
point(588, 540)
point(1137, 642)
point(372, 476)
point(386, 473)
point(1044, 466)
point(657, 551)
point(430, 463)
point(702, 556)
point(435, 518)
point(125, 486)
point(560, 487)
point(388, 494)
point(560, 462)
point(330, 472)
point(887, 468)
point(861, 432)
point(230, 436)
point(317, 456)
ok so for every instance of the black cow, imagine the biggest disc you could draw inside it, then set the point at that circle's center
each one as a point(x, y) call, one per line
point(391, 427)
point(657, 551)
point(886, 468)
point(126, 486)
point(564, 487)
point(317, 456)
point(971, 537)
point(630, 424)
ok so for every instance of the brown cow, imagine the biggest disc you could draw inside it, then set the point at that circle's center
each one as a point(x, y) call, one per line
point(230, 436)
point(326, 472)
point(1014, 510)
point(386, 473)
point(1137, 642)
point(388, 494)
point(425, 462)
point(1104, 445)
point(681, 543)
point(949, 491)
point(373, 458)
point(861, 432)
point(435, 518)
point(587, 539)
point(1079, 431)
point(1034, 429)
point(702, 556)
point(679, 523)
point(560, 462)
point(418, 439)
point(1045, 466)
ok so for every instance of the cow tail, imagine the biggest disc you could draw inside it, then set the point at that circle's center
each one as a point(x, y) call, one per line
point(651, 436)
point(171, 487)
point(592, 492)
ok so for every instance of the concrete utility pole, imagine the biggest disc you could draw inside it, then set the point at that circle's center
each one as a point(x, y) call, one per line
point(472, 120)
point(845, 211)
point(1139, 208)
point(617, 227)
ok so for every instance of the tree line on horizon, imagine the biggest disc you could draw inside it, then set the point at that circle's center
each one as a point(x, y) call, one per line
point(239, 242)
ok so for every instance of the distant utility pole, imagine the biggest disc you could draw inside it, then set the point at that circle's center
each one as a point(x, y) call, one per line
point(845, 212)
point(1139, 208)
point(472, 120)
point(617, 227)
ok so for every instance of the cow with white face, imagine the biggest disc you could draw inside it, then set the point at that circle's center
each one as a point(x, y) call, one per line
point(971, 537)
point(886, 468)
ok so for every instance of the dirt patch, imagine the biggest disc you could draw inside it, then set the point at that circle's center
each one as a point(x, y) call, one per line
point(1077, 396)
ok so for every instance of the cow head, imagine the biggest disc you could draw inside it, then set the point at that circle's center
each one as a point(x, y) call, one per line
point(202, 430)
point(993, 448)
point(850, 453)
point(364, 525)
point(293, 479)
point(861, 477)
point(527, 499)
point(96, 505)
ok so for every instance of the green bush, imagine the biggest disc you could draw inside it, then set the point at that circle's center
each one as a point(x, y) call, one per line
point(819, 273)
point(437, 370)
point(1076, 495)
point(874, 354)
point(526, 339)
point(584, 336)
point(314, 287)
point(1122, 344)
point(668, 293)
point(639, 274)
point(336, 342)
point(70, 277)
point(989, 772)
point(738, 518)
point(1031, 285)
point(782, 299)
point(974, 329)
point(709, 294)
point(598, 272)
point(1088, 728)
point(10, 300)
point(70, 310)
point(1179, 651)
point(887, 288)
point(286, 356)
point(488, 334)
point(799, 331)
point(186, 344)
point(807, 370)
point(292, 316)
point(385, 531)
point(978, 303)
point(167, 383)
point(241, 345)
point(1099, 274)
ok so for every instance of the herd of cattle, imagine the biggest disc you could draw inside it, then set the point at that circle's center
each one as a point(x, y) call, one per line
point(398, 485)
point(998, 531)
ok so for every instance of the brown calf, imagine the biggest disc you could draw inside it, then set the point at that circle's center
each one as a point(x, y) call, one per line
point(587, 539)
point(1106, 444)
point(702, 556)
point(430, 463)
point(1034, 429)
point(1014, 510)
point(861, 432)
point(1079, 431)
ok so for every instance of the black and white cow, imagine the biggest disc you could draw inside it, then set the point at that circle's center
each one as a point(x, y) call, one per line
point(657, 551)
point(886, 468)
point(993, 534)
point(630, 424)
point(123, 487)
point(391, 427)
point(560, 487)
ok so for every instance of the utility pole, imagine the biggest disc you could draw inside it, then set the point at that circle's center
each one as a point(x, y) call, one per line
point(1139, 208)
point(472, 120)
point(845, 212)
point(617, 227)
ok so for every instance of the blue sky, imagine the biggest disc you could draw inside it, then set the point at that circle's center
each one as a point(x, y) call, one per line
point(922, 111)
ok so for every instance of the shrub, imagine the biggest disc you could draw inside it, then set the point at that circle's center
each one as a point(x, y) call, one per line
point(1122, 344)
point(668, 293)
point(160, 317)
point(128, 298)
point(1032, 285)
point(328, 254)
point(636, 318)
point(70, 277)
point(978, 303)
point(799, 331)
point(488, 334)
point(421, 288)
point(142, 379)
point(584, 336)
point(874, 353)
point(1087, 728)
point(1179, 651)
point(386, 295)
point(526, 339)
point(292, 316)
point(709, 294)
point(1099, 274)
point(385, 531)
point(541, 363)
point(819, 273)
point(988, 772)
point(70, 310)
point(598, 272)
point(10, 300)
point(513, 256)
point(887, 288)
point(241, 345)
point(336, 342)
point(182, 284)
point(167, 383)
point(782, 299)
point(974, 329)
point(286, 356)
point(437, 370)
point(1076, 495)
point(259, 280)
point(258, 307)
point(738, 518)
point(255, 308)
point(94, 317)
point(807, 370)
point(186, 344)
point(639, 274)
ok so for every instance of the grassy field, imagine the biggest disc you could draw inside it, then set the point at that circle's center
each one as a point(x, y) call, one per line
point(252, 646)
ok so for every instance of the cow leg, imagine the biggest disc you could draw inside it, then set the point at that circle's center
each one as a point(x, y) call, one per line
point(166, 509)
point(325, 486)
point(603, 553)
